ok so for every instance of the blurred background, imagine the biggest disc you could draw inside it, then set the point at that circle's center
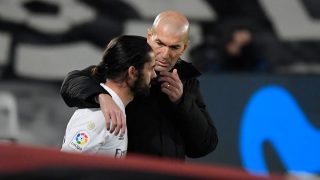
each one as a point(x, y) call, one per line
point(260, 61)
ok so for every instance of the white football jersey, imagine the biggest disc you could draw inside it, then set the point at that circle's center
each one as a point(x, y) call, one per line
point(87, 132)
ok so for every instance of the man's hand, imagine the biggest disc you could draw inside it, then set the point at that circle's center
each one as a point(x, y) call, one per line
point(171, 85)
point(115, 119)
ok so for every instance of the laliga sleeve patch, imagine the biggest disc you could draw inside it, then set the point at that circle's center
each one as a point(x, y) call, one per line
point(80, 141)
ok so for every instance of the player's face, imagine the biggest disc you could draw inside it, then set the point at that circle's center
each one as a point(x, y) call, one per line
point(142, 84)
point(168, 47)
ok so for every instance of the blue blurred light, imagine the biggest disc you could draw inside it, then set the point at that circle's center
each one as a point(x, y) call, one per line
point(273, 115)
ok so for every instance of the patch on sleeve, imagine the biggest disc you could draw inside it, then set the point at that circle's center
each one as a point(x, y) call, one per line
point(91, 125)
point(80, 141)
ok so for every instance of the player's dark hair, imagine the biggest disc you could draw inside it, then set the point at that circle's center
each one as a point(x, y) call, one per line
point(121, 53)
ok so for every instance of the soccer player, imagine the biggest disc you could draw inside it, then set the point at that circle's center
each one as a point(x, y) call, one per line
point(126, 69)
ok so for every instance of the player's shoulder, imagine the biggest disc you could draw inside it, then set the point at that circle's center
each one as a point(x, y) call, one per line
point(91, 116)
point(88, 113)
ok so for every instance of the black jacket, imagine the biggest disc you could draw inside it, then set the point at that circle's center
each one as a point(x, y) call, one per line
point(156, 126)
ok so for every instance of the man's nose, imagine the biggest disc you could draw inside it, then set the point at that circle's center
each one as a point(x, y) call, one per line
point(166, 52)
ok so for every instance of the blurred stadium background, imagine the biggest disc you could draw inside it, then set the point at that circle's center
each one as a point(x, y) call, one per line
point(268, 116)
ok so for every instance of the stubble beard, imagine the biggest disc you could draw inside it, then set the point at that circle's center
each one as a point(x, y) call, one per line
point(140, 87)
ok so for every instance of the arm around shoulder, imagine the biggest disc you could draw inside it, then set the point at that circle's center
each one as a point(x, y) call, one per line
point(79, 89)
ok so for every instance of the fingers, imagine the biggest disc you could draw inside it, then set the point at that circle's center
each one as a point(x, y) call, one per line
point(119, 124)
point(124, 124)
point(115, 118)
point(172, 79)
point(108, 121)
point(174, 74)
point(116, 123)
point(166, 85)
point(168, 81)
point(169, 89)
point(171, 85)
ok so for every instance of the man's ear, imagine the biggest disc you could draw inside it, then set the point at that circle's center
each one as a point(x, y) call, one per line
point(149, 35)
point(132, 72)
point(185, 46)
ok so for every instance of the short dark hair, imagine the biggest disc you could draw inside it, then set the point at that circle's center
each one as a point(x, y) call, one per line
point(121, 53)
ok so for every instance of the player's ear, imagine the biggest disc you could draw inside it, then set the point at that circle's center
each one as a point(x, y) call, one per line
point(132, 72)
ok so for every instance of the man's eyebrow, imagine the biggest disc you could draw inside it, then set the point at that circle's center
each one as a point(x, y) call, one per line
point(172, 46)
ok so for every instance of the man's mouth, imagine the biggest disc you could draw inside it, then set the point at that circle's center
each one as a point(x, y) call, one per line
point(162, 63)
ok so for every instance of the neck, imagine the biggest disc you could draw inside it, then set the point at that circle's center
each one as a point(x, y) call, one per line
point(122, 90)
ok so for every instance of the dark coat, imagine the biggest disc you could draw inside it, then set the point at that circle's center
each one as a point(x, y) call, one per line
point(156, 126)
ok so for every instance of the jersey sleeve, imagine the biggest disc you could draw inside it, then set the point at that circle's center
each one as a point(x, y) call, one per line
point(85, 132)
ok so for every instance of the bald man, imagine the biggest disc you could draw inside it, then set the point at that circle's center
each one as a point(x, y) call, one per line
point(173, 120)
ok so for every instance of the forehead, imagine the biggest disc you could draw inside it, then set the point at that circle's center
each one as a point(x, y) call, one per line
point(169, 38)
